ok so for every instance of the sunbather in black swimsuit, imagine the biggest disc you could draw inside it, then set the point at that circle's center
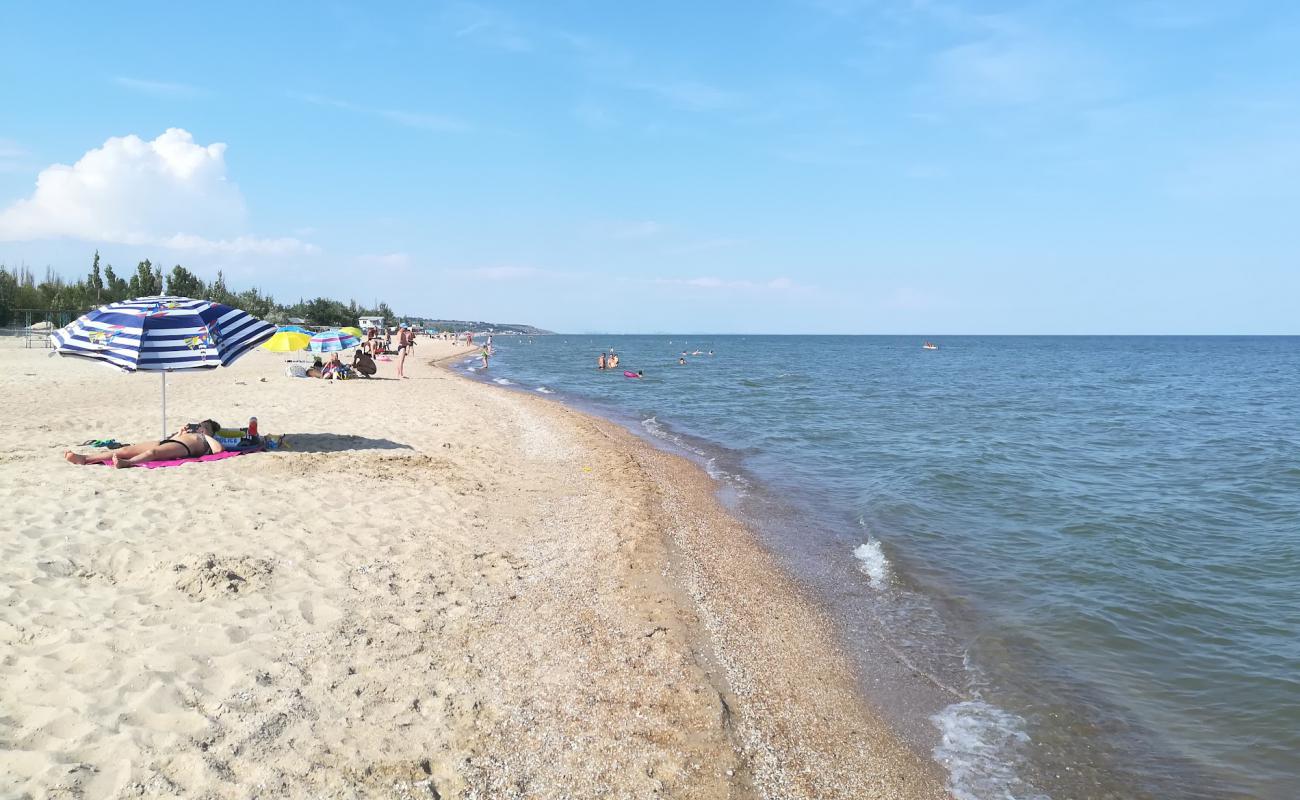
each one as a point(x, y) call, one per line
point(188, 452)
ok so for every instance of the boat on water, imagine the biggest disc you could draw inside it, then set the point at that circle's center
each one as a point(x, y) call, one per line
point(929, 346)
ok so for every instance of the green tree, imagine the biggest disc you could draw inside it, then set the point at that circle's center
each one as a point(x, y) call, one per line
point(146, 281)
point(95, 280)
point(218, 293)
point(8, 295)
point(255, 303)
point(115, 288)
point(184, 283)
point(324, 311)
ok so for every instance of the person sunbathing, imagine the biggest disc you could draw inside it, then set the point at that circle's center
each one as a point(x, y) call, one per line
point(192, 441)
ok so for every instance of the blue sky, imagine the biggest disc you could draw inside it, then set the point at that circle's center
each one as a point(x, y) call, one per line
point(819, 166)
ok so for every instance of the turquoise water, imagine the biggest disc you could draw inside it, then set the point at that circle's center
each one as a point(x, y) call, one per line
point(1068, 567)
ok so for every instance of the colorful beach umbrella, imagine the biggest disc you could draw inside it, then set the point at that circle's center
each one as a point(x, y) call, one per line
point(162, 334)
point(354, 331)
point(293, 329)
point(287, 342)
point(333, 342)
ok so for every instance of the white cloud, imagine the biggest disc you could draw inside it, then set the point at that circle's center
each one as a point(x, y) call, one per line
point(239, 245)
point(169, 192)
point(158, 88)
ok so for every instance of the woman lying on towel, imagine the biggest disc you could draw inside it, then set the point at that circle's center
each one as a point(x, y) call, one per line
point(192, 441)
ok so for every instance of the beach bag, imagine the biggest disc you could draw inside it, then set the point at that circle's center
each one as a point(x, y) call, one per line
point(296, 371)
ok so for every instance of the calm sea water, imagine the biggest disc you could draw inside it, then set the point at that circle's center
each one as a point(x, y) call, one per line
point(1068, 567)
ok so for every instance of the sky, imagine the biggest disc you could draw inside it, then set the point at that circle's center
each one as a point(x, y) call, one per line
point(792, 166)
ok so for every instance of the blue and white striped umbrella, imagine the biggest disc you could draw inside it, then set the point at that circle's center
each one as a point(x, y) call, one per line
point(332, 341)
point(163, 334)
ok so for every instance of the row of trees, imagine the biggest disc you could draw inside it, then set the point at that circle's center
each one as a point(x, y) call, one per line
point(54, 297)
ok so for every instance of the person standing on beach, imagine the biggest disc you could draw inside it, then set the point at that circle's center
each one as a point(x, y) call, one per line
point(401, 353)
point(484, 352)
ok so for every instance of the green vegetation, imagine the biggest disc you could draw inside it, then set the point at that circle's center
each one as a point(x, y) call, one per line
point(55, 298)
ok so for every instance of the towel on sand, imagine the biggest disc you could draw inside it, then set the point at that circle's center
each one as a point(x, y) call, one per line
point(176, 462)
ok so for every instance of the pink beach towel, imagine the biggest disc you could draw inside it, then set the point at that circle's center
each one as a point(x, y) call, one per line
point(176, 462)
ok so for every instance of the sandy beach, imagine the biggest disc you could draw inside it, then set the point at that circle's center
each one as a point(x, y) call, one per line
point(438, 588)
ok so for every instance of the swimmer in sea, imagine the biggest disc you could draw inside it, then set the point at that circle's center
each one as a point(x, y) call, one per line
point(681, 360)
point(600, 361)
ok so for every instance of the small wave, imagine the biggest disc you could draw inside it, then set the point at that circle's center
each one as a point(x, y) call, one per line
point(873, 564)
point(652, 425)
point(981, 746)
point(738, 483)
point(543, 390)
point(503, 381)
point(657, 430)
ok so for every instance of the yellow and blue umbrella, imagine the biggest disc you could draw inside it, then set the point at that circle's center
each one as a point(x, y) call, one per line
point(333, 342)
point(354, 331)
point(287, 342)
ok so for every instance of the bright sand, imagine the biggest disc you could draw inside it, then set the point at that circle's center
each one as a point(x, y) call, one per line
point(440, 589)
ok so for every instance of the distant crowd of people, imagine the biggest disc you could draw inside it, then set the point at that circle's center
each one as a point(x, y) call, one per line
point(379, 344)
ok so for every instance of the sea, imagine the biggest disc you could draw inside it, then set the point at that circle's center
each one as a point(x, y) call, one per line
point(1065, 567)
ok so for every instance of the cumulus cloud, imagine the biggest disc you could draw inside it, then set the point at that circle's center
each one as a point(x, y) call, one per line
point(170, 192)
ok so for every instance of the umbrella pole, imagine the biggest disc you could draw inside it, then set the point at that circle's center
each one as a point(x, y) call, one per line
point(164, 404)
